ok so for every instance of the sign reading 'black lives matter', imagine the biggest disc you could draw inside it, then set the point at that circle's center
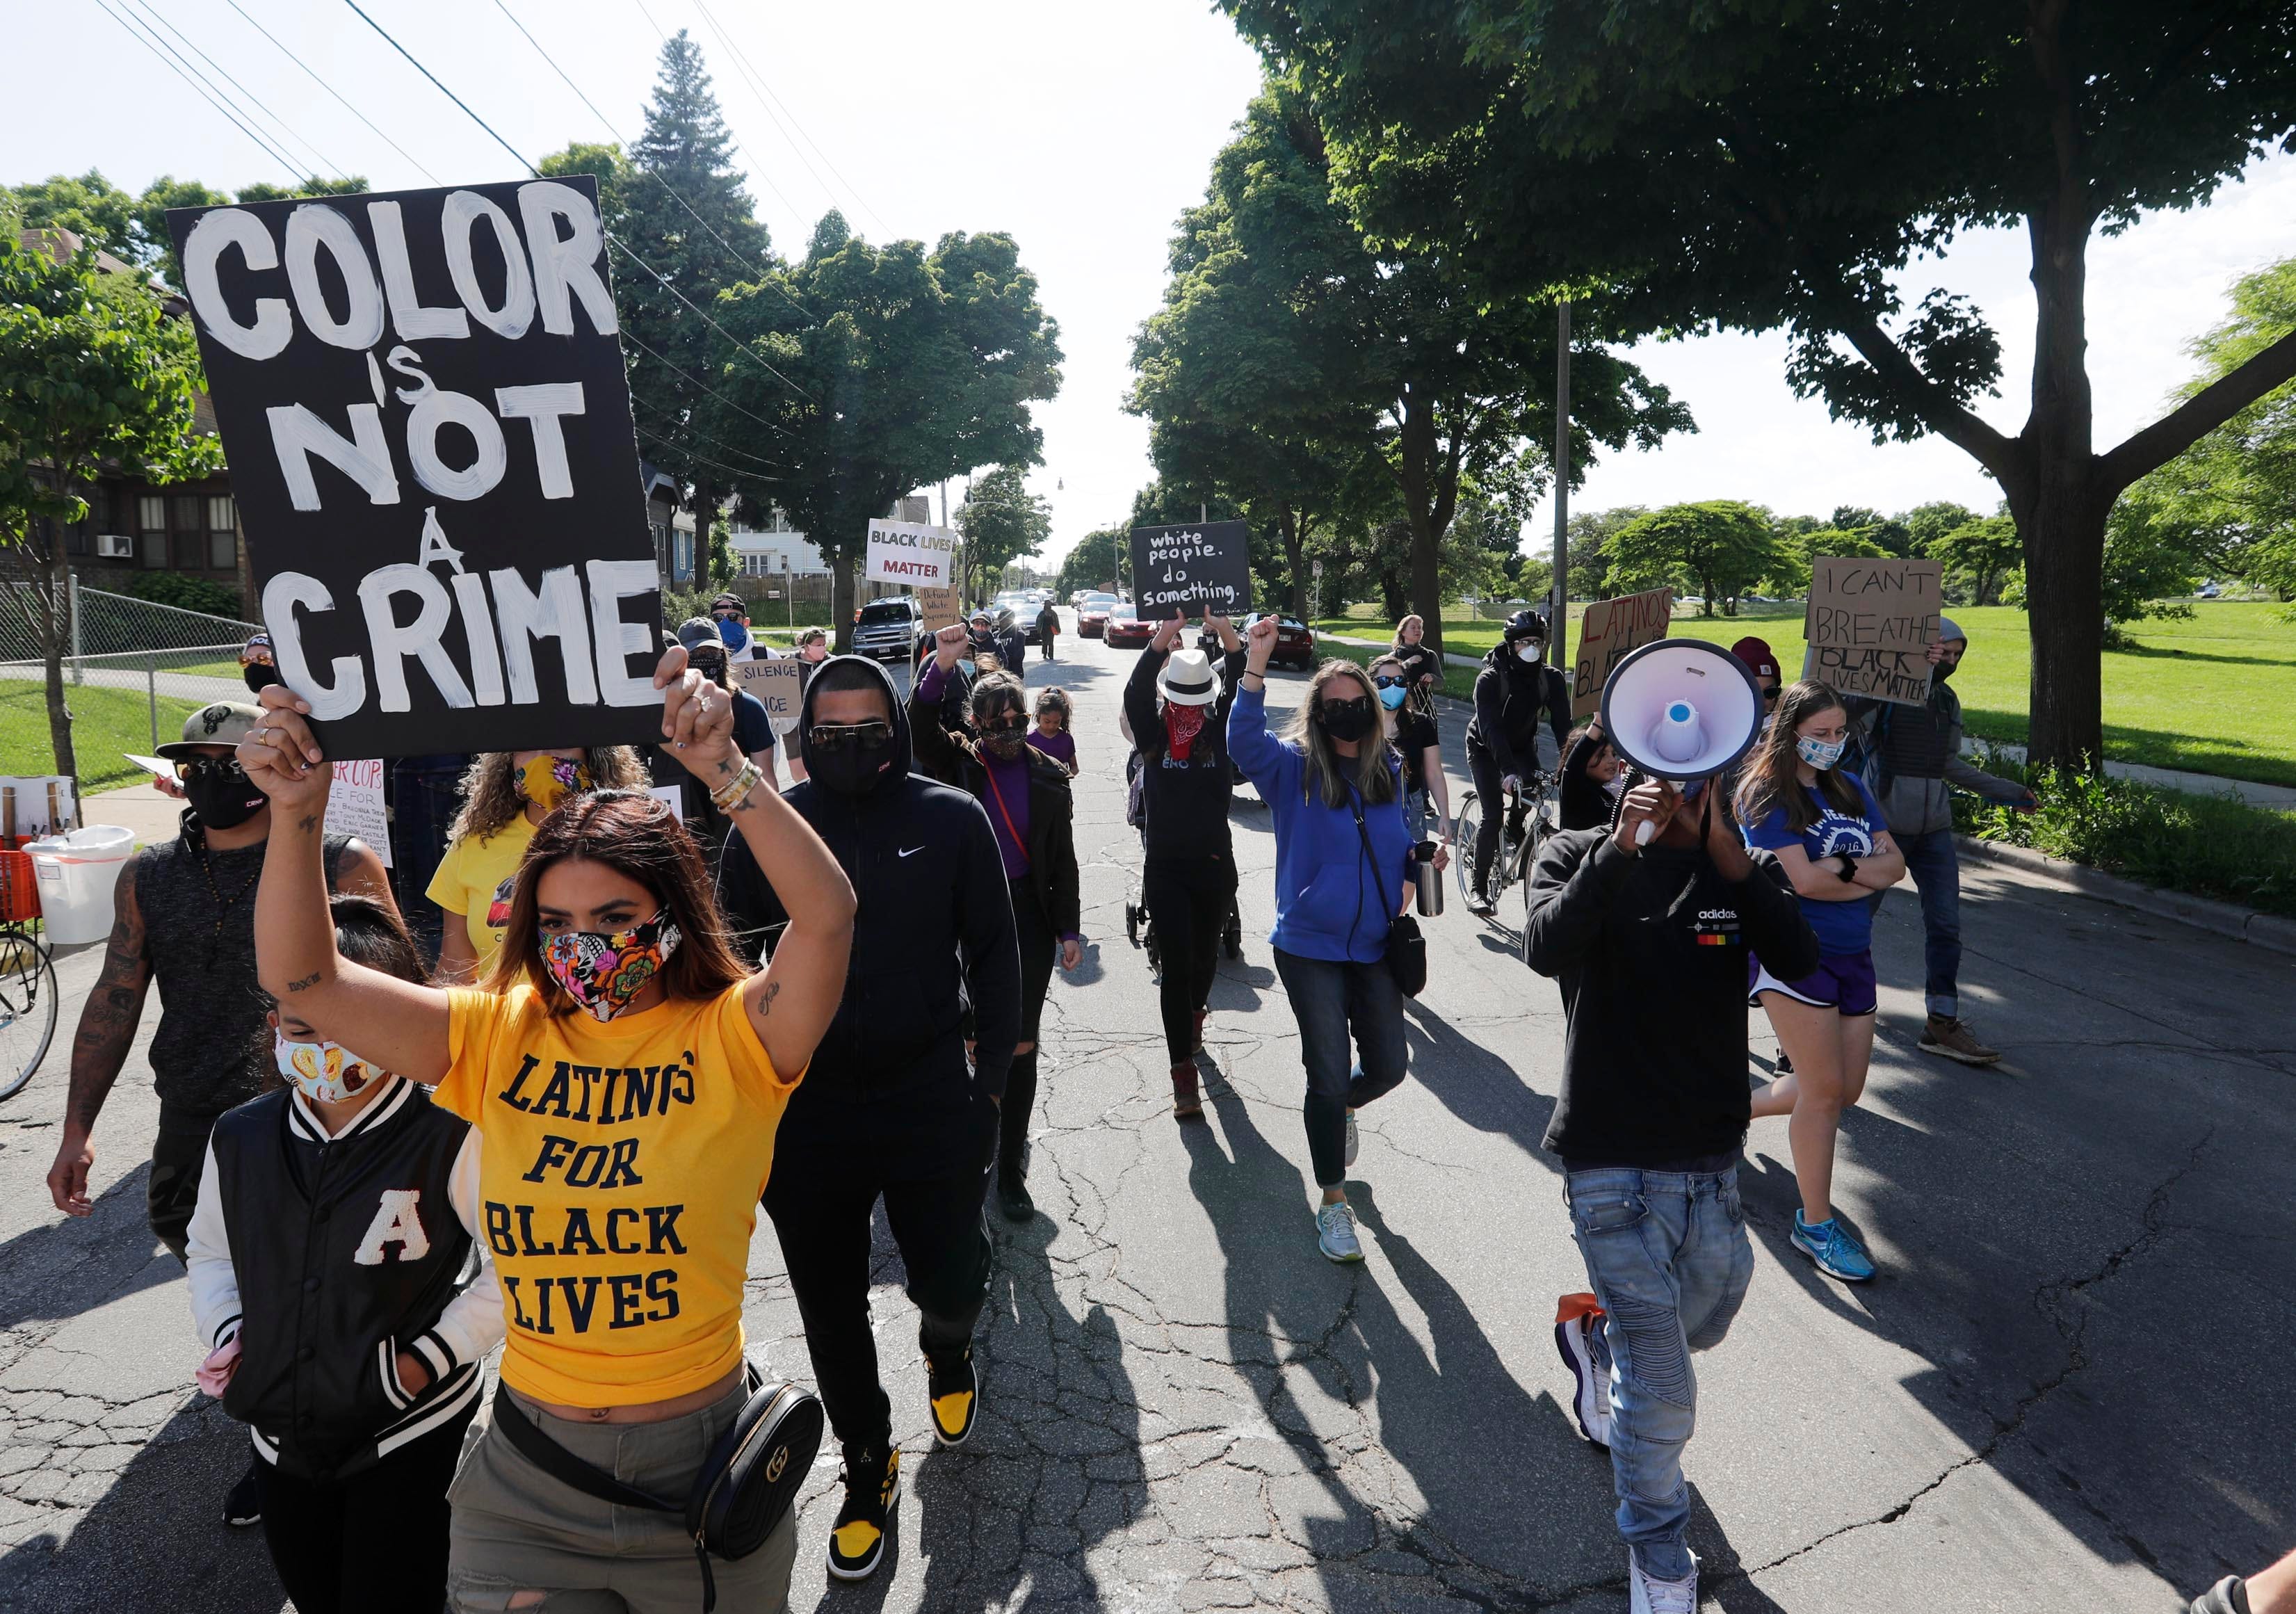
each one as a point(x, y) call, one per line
point(1204, 567)
point(421, 398)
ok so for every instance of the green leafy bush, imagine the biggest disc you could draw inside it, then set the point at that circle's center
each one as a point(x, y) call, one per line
point(2205, 846)
point(188, 593)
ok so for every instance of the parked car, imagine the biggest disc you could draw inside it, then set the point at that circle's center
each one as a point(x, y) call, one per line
point(1295, 643)
point(1092, 615)
point(1126, 630)
point(887, 629)
point(2207, 591)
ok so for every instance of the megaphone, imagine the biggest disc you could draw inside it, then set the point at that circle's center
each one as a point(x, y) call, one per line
point(1680, 709)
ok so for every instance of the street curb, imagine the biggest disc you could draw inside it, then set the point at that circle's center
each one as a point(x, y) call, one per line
point(2267, 931)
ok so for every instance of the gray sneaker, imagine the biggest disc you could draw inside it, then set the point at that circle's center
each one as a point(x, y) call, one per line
point(1648, 1594)
point(1335, 1232)
point(1355, 1141)
point(1954, 1039)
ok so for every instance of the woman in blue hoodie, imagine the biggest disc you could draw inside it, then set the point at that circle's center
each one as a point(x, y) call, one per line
point(1343, 874)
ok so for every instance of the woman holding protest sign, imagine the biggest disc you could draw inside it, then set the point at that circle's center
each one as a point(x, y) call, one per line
point(618, 1058)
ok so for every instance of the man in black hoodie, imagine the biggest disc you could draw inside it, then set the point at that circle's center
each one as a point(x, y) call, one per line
point(889, 1106)
point(1515, 693)
point(1649, 943)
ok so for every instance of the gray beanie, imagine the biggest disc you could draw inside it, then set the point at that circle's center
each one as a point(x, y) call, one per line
point(1948, 628)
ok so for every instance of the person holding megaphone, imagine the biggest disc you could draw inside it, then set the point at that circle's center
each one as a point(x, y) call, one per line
point(1831, 838)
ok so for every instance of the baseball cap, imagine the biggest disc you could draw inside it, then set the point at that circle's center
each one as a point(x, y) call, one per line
point(695, 631)
point(226, 723)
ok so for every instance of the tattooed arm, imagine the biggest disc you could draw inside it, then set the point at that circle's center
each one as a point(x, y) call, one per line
point(106, 1029)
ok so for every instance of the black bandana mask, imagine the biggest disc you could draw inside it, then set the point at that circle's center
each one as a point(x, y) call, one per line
point(222, 797)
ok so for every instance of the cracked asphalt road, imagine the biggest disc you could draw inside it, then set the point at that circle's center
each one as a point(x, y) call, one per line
point(2068, 1390)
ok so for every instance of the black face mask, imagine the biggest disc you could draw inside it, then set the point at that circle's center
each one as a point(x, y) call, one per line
point(851, 769)
point(222, 797)
point(1942, 671)
point(259, 676)
point(1348, 720)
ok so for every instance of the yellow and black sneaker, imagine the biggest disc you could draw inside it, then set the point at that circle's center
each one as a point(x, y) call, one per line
point(955, 1393)
point(873, 1489)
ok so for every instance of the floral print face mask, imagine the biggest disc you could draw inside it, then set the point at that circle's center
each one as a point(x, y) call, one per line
point(547, 780)
point(603, 972)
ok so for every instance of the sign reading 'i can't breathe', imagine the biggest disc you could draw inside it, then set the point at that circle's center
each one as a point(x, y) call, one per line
point(423, 400)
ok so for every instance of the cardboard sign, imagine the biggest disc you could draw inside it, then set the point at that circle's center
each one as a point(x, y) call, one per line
point(354, 806)
point(940, 606)
point(1870, 623)
point(34, 806)
point(1606, 633)
point(421, 397)
point(779, 683)
point(1204, 567)
point(905, 551)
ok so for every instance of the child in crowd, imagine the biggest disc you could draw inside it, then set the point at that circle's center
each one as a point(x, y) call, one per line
point(1051, 736)
point(357, 1383)
point(1592, 778)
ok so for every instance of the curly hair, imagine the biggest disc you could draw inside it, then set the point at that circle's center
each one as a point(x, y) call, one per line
point(491, 799)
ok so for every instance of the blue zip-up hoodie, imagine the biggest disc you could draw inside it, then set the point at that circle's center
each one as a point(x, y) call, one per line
point(1331, 901)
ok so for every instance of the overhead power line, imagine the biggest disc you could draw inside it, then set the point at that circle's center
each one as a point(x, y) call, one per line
point(330, 90)
point(764, 93)
point(174, 61)
point(631, 338)
point(757, 169)
point(257, 101)
point(689, 429)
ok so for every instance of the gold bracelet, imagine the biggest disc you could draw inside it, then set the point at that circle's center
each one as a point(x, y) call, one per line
point(730, 796)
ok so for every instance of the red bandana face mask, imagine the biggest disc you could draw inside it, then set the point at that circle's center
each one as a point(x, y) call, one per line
point(1182, 725)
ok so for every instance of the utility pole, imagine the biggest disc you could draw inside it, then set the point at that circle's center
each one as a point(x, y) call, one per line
point(1558, 618)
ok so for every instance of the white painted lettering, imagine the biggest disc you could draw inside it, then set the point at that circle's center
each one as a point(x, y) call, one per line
point(203, 249)
point(485, 470)
point(297, 434)
point(408, 316)
point(309, 228)
point(463, 209)
point(281, 597)
point(611, 583)
point(565, 263)
point(553, 612)
point(544, 405)
point(392, 643)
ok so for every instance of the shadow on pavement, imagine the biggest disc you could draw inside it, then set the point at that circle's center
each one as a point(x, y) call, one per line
point(65, 1268)
point(1476, 1084)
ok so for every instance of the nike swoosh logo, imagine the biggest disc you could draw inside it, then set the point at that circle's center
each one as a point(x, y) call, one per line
point(913, 851)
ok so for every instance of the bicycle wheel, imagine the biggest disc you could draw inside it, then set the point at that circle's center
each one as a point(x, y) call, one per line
point(1464, 824)
point(28, 1006)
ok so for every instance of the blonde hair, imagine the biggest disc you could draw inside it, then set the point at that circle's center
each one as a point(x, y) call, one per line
point(1335, 778)
point(490, 794)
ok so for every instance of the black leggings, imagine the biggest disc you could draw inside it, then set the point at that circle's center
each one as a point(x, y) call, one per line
point(1187, 899)
point(1489, 795)
point(1038, 947)
point(375, 1544)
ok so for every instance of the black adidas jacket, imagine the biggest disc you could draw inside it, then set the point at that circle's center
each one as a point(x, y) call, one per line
point(932, 929)
point(326, 1258)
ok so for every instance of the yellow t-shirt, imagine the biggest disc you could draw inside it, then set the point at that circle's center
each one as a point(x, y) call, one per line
point(474, 879)
point(618, 1171)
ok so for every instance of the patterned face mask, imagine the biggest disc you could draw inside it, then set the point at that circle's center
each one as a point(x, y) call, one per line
point(547, 780)
point(603, 973)
point(322, 1072)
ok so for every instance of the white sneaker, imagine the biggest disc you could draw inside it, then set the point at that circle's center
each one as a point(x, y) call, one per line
point(1577, 1328)
point(1335, 1232)
point(1355, 1142)
point(1650, 1596)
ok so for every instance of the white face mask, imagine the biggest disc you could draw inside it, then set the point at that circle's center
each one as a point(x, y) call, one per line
point(1530, 652)
point(325, 1073)
point(1615, 783)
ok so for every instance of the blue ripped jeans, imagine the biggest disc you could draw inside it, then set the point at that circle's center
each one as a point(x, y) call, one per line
point(1670, 1259)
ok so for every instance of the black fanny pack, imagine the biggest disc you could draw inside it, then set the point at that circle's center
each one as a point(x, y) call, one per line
point(749, 1481)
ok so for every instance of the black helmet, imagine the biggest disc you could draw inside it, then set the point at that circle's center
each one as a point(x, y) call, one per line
point(1526, 624)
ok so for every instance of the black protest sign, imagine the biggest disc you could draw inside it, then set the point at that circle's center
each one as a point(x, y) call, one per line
point(1205, 567)
point(1870, 623)
point(421, 398)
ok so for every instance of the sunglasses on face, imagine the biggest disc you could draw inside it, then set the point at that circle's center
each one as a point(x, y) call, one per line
point(1011, 723)
point(1360, 705)
point(870, 736)
point(209, 767)
point(1770, 696)
point(1390, 681)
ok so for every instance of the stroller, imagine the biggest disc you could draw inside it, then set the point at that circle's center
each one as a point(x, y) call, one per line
point(1140, 930)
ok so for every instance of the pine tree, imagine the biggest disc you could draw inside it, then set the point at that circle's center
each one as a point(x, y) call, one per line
point(686, 212)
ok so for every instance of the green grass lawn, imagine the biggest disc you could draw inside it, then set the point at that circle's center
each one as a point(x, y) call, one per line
point(2215, 693)
point(105, 723)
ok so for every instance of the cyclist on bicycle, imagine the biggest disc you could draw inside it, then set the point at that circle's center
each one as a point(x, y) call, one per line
point(1522, 713)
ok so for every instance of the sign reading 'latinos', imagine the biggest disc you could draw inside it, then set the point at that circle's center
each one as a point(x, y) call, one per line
point(423, 399)
point(1606, 633)
point(1870, 623)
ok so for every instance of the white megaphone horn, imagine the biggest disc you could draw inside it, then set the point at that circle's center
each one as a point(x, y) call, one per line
point(1680, 709)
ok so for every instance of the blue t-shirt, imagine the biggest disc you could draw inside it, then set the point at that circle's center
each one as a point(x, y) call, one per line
point(1841, 927)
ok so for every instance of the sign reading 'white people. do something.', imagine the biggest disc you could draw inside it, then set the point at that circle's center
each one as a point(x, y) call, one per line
point(423, 400)
point(1204, 567)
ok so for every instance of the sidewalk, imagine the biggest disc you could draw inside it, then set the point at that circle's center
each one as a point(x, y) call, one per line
point(139, 808)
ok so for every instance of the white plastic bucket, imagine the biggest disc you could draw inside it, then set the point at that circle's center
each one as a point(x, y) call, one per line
point(77, 873)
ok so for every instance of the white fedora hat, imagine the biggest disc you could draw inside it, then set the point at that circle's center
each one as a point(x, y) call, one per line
point(1188, 679)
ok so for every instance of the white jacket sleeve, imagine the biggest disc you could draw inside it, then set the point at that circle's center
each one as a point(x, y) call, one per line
point(471, 1325)
point(214, 1282)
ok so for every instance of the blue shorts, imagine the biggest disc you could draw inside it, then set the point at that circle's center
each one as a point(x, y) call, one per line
point(1842, 981)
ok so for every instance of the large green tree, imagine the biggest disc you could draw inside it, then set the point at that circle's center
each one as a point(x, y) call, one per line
point(1093, 562)
point(1324, 334)
point(93, 375)
point(891, 368)
point(1716, 549)
point(1002, 521)
point(134, 228)
point(1741, 163)
point(1977, 556)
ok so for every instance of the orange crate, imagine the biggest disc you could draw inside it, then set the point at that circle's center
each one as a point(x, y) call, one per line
point(20, 887)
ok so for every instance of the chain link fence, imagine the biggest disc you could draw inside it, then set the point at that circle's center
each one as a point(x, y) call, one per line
point(116, 642)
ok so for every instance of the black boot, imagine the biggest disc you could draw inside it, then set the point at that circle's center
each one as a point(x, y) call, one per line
point(1012, 1139)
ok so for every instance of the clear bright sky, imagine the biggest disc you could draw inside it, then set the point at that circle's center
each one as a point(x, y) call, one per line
point(1081, 128)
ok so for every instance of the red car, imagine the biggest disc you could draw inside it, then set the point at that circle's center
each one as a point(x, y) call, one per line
point(1126, 630)
point(1092, 616)
point(1295, 643)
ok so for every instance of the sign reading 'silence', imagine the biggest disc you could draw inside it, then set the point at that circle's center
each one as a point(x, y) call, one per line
point(423, 399)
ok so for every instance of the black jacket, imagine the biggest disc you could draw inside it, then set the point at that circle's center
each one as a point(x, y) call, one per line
point(1187, 802)
point(1651, 952)
point(1510, 701)
point(1052, 810)
point(346, 1252)
point(1583, 804)
point(933, 928)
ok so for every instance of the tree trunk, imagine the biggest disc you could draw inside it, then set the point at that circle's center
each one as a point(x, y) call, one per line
point(1417, 470)
point(840, 603)
point(1293, 527)
point(51, 605)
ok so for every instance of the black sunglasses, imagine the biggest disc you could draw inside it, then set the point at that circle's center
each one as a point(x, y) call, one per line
point(1770, 695)
point(872, 735)
point(1361, 703)
point(1011, 723)
point(1388, 680)
point(209, 767)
